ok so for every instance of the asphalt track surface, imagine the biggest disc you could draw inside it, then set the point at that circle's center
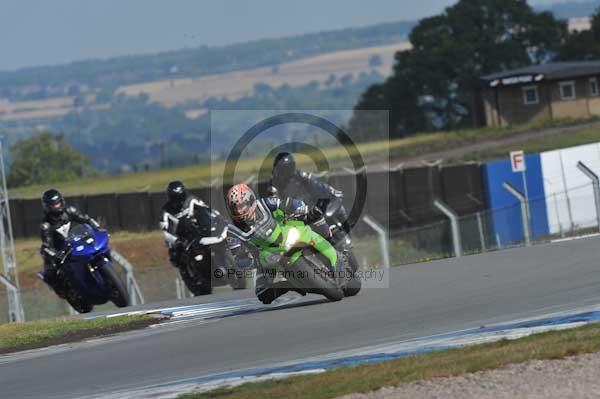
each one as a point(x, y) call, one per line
point(422, 299)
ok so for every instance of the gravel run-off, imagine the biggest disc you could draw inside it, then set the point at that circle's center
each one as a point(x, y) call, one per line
point(573, 377)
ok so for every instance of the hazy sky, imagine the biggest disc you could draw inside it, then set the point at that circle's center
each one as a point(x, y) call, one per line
point(34, 32)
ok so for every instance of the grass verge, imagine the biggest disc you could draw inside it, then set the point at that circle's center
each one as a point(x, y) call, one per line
point(365, 378)
point(581, 136)
point(37, 334)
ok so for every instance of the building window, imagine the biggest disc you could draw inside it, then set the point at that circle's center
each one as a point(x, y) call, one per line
point(530, 95)
point(567, 90)
point(593, 87)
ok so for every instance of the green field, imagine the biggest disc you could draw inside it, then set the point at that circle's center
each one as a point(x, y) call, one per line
point(448, 363)
point(491, 139)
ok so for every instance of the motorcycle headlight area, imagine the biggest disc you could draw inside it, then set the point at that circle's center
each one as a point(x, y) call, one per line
point(292, 236)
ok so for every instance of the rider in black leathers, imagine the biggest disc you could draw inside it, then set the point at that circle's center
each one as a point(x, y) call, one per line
point(177, 207)
point(53, 231)
point(294, 183)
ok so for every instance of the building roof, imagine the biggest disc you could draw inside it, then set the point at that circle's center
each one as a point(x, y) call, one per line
point(551, 71)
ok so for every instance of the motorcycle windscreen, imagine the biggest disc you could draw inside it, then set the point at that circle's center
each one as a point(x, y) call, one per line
point(82, 240)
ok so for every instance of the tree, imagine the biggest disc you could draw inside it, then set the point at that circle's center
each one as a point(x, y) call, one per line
point(584, 45)
point(435, 84)
point(45, 158)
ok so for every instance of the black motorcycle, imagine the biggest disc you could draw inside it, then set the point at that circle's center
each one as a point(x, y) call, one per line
point(341, 239)
point(207, 260)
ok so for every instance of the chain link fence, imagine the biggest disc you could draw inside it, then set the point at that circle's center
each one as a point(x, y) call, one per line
point(550, 218)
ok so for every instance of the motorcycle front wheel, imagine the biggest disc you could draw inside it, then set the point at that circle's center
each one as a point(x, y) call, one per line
point(198, 284)
point(76, 301)
point(315, 277)
point(118, 293)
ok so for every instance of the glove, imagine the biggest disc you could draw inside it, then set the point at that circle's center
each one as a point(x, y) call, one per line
point(95, 225)
point(56, 256)
point(314, 214)
point(60, 257)
point(294, 207)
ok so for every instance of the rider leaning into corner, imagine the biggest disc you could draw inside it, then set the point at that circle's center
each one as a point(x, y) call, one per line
point(249, 214)
point(294, 183)
point(180, 204)
point(291, 182)
point(54, 230)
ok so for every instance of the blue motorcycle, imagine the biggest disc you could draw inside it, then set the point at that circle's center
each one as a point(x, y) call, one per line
point(86, 270)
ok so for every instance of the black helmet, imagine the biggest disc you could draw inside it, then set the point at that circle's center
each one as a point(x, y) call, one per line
point(284, 167)
point(53, 202)
point(176, 192)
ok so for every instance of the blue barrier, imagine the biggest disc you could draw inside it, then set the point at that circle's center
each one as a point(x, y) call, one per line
point(506, 213)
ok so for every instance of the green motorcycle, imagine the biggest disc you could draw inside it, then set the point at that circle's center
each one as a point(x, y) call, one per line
point(291, 249)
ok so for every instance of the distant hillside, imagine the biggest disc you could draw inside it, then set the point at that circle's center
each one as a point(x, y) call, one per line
point(43, 82)
point(80, 77)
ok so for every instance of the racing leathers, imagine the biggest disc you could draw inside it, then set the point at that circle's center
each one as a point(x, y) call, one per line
point(174, 227)
point(53, 232)
point(267, 290)
point(313, 192)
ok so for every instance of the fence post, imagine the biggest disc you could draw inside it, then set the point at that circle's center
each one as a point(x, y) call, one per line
point(450, 214)
point(519, 196)
point(560, 228)
point(15, 307)
point(181, 289)
point(133, 289)
point(481, 234)
point(10, 277)
point(595, 184)
point(383, 239)
point(178, 290)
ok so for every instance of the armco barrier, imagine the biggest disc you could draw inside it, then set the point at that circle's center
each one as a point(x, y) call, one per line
point(406, 196)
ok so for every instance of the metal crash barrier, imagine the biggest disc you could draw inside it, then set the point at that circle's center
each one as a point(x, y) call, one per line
point(135, 294)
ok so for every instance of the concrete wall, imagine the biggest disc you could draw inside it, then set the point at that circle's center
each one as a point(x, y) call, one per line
point(570, 198)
